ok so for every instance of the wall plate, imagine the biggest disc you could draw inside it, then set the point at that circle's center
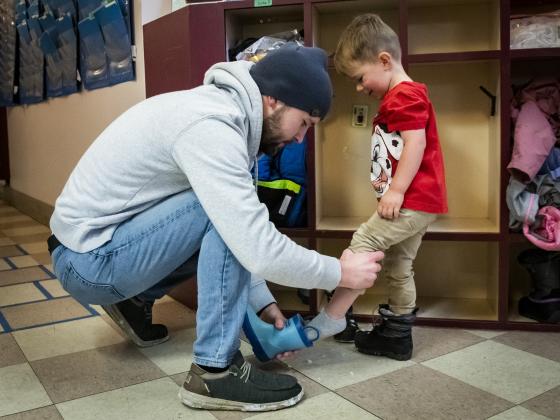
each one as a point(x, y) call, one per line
point(359, 115)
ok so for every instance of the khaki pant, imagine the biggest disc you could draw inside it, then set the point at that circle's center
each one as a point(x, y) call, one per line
point(399, 239)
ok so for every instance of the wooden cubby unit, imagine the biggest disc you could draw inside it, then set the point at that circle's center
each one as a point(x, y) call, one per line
point(466, 270)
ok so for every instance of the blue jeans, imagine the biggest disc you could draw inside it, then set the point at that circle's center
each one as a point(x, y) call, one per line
point(147, 256)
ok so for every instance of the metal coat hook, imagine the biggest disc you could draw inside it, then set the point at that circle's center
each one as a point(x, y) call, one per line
point(492, 99)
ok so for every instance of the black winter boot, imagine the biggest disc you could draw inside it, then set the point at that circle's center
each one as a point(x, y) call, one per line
point(349, 333)
point(543, 303)
point(391, 338)
point(134, 317)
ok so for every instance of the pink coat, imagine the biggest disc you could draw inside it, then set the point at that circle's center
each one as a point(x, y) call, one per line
point(534, 139)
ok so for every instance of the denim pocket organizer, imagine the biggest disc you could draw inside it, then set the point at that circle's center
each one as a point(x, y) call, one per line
point(93, 61)
point(117, 42)
point(7, 51)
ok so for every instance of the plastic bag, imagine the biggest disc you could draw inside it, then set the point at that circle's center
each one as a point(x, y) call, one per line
point(542, 31)
point(260, 48)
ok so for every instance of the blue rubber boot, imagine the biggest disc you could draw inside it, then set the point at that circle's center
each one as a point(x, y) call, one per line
point(267, 341)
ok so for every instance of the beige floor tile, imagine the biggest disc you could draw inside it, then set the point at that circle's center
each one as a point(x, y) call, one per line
point(324, 406)
point(54, 287)
point(150, 400)
point(27, 238)
point(23, 261)
point(1, 328)
point(43, 258)
point(486, 333)
point(19, 293)
point(35, 247)
point(44, 413)
point(68, 337)
point(23, 275)
point(310, 387)
point(4, 265)
point(547, 404)
point(101, 311)
point(518, 413)
point(6, 241)
point(20, 390)
point(175, 355)
point(540, 343)
point(94, 371)
point(174, 315)
point(509, 373)
point(10, 353)
point(417, 392)
point(10, 251)
point(20, 231)
point(335, 365)
point(46, 312)
point(434, 342)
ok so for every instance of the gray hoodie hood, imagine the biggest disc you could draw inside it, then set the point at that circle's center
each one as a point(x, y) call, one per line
point(235, 78)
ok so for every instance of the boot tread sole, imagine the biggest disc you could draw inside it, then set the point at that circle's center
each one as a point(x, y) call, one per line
point(396, 356)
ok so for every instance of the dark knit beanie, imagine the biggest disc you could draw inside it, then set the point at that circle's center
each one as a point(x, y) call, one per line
point(297, 76)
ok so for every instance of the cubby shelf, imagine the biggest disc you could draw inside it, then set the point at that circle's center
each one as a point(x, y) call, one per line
point(466, 271)
point(535, 54)
point(454, 56)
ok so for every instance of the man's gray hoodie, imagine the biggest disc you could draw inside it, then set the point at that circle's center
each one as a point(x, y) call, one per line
point(205, 139)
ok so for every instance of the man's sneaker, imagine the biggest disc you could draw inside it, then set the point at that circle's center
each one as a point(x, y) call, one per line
point(349, 333)
point(392, 338)
point(134, 317)
point(242, 387)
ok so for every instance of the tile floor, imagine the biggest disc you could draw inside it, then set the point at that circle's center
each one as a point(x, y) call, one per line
point(62, 360)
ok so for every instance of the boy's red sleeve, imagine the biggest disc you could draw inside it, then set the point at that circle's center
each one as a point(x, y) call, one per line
point(407, 110)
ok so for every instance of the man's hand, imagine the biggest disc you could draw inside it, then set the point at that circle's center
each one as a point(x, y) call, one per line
point(390, 204)
point(273, 315)
point(359, 271)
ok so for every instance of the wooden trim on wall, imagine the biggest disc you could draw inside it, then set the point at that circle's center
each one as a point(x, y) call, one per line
point(30, 206)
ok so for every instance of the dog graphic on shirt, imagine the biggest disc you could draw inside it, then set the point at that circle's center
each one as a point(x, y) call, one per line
point(386, 148)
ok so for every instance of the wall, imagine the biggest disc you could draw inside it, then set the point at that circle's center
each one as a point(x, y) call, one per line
point(46, 140)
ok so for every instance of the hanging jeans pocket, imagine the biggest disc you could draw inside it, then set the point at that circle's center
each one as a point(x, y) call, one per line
point(68, 51)
point(7, 52)
point(93, 61)
point(117, 43)
point(30, 63)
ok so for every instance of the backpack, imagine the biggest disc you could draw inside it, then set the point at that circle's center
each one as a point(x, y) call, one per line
point(281, 185)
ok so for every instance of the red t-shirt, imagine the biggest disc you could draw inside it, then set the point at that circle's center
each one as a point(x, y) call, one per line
point(407, 107)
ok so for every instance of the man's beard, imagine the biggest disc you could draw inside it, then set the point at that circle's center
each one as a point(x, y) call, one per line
point(271, 136)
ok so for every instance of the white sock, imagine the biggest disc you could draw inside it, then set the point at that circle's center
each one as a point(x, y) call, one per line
point(326, 326)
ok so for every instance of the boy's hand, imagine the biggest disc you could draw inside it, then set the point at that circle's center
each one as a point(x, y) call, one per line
point(390, 204)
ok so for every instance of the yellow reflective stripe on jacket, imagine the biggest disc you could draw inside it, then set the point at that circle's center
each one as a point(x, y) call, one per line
point(281, 184)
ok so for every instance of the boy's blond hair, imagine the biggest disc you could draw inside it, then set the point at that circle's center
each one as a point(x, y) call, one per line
point(362, 41)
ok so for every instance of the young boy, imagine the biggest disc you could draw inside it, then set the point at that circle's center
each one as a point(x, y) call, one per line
point(407, 175)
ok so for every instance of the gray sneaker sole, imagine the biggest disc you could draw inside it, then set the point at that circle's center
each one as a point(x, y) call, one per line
point(119, 319)
point(200, 401)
